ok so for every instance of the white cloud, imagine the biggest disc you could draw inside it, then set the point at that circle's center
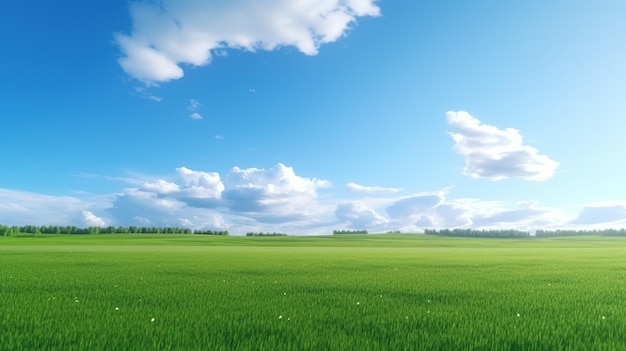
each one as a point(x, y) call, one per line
point(91, 220)
point(270, 195)
point(144, 62)
point(494, 153)
point(277, 199)
point(139, 207)
point(143, 92)
point(200, 184)
point(358, 215)
point(193, 105)
point(370, 189)
point(413, 206)
point(161, 187)
point(20, 208)
point(141, 220)
point(168, 33)
point(601, 213)
point(248, 197)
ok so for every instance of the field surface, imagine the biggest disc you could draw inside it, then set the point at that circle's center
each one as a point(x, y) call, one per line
point(352, 292)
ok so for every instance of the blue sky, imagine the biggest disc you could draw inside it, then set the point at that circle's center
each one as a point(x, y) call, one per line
point(309, 116)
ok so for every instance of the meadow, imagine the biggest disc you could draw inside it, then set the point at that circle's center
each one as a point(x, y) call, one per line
point(342, 292)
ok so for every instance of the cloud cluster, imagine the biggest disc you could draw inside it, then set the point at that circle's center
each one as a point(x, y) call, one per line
point(277, 199)
point(271, 195)
point(21, 208)
point(168, 33)
point(245, 196)
point(434, 210)
point(494, 153)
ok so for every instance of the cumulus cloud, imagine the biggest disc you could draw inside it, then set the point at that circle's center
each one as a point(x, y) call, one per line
point(142, 207)
point(169, 33)
point(195, 115)
point(91, 220)
point(495, 153)
point(271, 194)
point(358, 215)
point(247, 197)
point(370, 189)
point(199, 184)
point(161, 187)
point(277, 199)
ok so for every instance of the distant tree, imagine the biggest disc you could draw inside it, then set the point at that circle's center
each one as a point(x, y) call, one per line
point(360, 231)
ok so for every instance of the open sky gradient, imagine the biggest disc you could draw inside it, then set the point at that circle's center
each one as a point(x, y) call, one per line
point(312, 115)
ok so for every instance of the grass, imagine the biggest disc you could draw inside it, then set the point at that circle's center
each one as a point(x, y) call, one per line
point(369, 292)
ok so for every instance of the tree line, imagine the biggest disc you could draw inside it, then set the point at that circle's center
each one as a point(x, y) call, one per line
point(56, 229)
point(265, 234)
point(358, 231)
point(561, 232)
point(473, 233)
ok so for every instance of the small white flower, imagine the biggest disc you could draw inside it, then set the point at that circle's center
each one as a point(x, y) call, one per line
point(152, 320)
point(358, 303)
point(518, 314)
point(603, 317)
point(280, 317)
point(117, 308)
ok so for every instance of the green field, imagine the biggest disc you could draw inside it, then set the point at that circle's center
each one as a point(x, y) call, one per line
point(353, 292)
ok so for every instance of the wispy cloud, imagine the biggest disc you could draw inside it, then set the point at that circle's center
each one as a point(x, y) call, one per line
point(370, 189)
point(496, 153)
point(20, 208)
point(168, 33)
point(193, 107)
point(144, 93)
point(128, 180)
point(598, 213)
